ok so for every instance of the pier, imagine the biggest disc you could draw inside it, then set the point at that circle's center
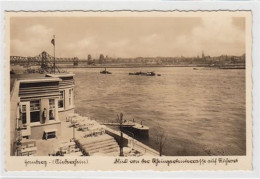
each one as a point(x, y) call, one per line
point(137, 129)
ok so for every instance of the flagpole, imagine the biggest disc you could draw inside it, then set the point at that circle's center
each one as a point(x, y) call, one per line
point(54, 52)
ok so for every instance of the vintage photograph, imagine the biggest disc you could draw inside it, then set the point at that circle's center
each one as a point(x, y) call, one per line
point(128, 84)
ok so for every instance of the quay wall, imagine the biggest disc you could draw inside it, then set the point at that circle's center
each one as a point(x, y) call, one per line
point(143, 148)
point(131, 142)
point(117, 136)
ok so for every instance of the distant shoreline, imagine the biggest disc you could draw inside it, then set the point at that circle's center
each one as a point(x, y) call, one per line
point(144, 66)
point(151, 66)
point(14, 69)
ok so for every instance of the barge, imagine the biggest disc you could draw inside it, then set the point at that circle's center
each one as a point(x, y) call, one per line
point(143, 73)
point(105, 72)
point(136, 129)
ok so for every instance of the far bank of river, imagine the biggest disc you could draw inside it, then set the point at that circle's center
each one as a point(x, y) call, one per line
point(153, 66)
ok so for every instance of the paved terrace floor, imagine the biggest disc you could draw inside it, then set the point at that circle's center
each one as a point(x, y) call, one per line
point(46, 147)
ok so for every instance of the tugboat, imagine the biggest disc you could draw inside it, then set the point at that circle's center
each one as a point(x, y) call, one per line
point(105, 71)
point(143, 73)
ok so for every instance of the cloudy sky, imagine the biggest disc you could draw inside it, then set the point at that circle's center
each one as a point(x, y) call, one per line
point(128, 36)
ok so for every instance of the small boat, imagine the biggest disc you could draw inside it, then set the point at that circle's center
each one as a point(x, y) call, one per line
point(136, 73)
point(105, 71)
point(158, 74)
point(143, 73)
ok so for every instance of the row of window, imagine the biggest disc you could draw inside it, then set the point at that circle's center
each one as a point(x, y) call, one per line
point(35, 111)
point(35, 107)
point(62, 97)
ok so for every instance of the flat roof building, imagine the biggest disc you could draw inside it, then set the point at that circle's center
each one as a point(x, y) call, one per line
point(38, 105)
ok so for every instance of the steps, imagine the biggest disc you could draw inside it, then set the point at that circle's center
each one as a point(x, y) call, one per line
point(104, 144)
point(104, 150)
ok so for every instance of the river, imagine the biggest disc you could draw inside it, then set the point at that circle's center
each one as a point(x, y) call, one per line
point(202, 112)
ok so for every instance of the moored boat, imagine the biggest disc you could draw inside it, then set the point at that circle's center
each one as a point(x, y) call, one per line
point(136, 129)
point(143, 73)
point(105, 71)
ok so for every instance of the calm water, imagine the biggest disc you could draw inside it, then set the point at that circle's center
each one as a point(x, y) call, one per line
point(202, 111)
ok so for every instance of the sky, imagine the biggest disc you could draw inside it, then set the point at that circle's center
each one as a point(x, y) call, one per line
point(127, 36)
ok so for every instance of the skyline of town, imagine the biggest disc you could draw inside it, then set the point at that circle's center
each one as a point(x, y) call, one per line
point(97, 56)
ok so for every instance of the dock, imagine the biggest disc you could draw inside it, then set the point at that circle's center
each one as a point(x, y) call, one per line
point(127, 124)
point(137, 129)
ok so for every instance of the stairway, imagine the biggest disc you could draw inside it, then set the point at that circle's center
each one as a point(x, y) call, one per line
point(104, 144)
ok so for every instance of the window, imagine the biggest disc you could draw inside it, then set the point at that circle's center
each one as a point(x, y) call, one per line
point(52, 109)
point(35, 111)
point(35, 105)
point(70, 97)
point(23, 112)
point(61, 100)
point(52, 103)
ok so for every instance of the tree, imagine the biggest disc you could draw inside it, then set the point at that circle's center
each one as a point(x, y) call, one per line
point(161, 137)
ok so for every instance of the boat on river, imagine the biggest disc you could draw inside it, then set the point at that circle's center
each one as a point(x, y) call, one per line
point(105, 71)
point(143, 73)
point(133, 127)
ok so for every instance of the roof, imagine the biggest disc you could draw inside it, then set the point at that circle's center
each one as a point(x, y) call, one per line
point(14, 77)
point(29, 78)
point(38, 80)
point(58, 75)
